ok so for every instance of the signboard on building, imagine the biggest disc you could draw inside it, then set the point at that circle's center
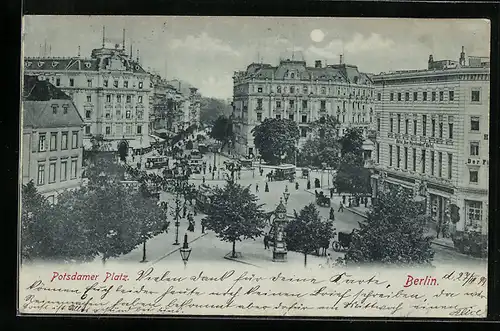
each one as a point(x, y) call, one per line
point(414, 143)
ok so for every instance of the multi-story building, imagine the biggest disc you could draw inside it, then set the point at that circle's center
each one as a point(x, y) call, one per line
point(166, 102)
point(51, 138)
point(432, 137)
point(300, 93)
point(189, 105)
point(110, 90)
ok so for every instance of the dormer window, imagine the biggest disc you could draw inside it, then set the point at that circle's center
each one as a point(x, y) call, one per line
point(140, 84)
point(278, 89)
point(292, 75)
point(105, 83)
point(115, 83)
point(54, 109)
point(65, 109)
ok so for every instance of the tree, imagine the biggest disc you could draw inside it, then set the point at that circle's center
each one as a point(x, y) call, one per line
point(211, 109)
point(306, 232)
point(352, 141)
point(323, 147)
point(35, 238)
point(189, 145)
point(150, 217)
point(222, 130)
point(234, 214)
point(276, 140)
point(352, 177)
point(394, 232)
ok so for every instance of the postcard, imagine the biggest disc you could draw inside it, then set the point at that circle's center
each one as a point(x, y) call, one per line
point(254, 166)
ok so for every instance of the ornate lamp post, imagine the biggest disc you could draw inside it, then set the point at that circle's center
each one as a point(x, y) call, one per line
point(185, 251)
point(286, 195)
point(279, 249)
point(177, 223)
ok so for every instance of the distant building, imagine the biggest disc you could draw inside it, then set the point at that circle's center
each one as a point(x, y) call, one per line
point(189, 106)
point(433, 137)
point(52, 132)
point(110, 90)
point(300, 93)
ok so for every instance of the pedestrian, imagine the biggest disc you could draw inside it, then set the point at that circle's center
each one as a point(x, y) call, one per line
point(308, 184)
point(341, 208)
point(331, 193)
point(215, 168)
point(328, 259)
point(256, 187)
point(266, 189)
point(266, 241)
point(261, 171)
point(184, 211)
point(203, 180)
point(210, 168)
point(332, 214)
point(213, 175)
point(343, 199)
point(204, 170)
point(296, 185)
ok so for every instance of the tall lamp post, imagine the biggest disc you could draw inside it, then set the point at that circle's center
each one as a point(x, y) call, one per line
point(177, 223)
point(286, 195)
point(185, 251)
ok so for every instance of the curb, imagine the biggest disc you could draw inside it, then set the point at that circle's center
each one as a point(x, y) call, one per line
point(236, 260)
point(177, 249)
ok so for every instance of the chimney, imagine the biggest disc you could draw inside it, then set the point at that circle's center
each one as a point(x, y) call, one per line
point(462, 57)
point(341, 60)
point(317, 64)
point(431, 59)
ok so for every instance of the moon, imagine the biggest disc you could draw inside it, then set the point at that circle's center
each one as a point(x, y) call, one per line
point(317, 35)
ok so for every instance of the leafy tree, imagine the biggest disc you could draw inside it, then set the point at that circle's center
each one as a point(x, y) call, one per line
point(306, 232)
point(211, 109)
point(150, 218)
point(323, 147)
point(352, 141)
point(276, 139)
point(189, 145)
point(222, 130)
point(234, 214)
point(394, 232)
point(352, 177)
point(103, 170)
point(35, 229)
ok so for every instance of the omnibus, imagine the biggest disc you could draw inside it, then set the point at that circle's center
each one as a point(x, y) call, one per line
point(156, 162)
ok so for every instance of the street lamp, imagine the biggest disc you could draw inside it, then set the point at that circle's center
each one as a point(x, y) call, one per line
point(177, 223)
point(185, 251)
point(286, 194)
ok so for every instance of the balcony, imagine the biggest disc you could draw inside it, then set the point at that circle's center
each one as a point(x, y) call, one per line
point(449, 142)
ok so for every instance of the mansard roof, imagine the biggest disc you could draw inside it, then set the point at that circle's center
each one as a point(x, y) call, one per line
point(81, 64)
point(341, 73)
point(46, 106)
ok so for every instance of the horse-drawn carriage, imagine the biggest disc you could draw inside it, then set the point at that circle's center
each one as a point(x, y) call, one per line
point(322, 200)
point(343, 241)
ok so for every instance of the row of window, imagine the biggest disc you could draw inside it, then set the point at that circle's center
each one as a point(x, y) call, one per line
point(474, 126)
point(55, 109)
point(291, 104)
point(42, 173)
point(119, 130)
point(109, 98)
point(128, 114)
point(402, 161)
point(341, 119)
point(475, 96)
point(105, 83)
point(322, 90)
point(54, 137)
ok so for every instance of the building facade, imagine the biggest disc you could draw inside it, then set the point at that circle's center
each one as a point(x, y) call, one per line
point(52, 137)
point(295, 91)
point(432, 131)
point(110, 90)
